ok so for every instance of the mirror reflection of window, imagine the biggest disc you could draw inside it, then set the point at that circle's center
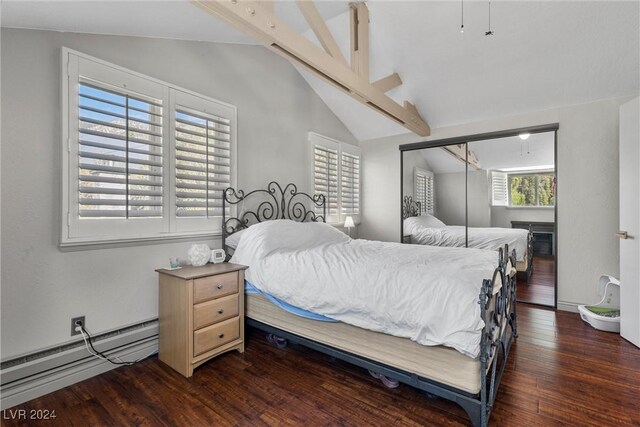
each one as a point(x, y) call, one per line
point(423, 187)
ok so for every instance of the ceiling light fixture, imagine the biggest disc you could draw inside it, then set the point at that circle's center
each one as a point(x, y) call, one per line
point(462, 17)
point(523, 136)
point(489, 33)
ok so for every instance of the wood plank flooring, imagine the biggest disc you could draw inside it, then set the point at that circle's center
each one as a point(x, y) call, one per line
point(541, 286)
point(560, 372)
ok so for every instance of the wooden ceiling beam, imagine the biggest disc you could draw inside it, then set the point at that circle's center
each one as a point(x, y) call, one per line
point(359, 14)
point(319, 28)
point(387, 83)
point(270, 5)
point(259, 22)
point(458, 152)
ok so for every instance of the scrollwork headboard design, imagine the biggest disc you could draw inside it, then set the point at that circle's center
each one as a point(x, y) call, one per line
point(270, 204)
point(410, 208)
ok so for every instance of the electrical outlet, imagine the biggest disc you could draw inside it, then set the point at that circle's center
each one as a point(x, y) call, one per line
point(75, 322)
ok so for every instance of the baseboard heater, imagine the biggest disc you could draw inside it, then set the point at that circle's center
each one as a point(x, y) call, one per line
point(36, 374)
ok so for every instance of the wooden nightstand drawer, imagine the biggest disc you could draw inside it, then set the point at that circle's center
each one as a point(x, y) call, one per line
point(216, 335)
point(214, 311)
point(216, 286)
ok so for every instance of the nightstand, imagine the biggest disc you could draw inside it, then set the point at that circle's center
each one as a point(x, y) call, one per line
point(201, 314)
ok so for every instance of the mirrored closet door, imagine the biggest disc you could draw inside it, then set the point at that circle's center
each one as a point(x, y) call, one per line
point(484, 191)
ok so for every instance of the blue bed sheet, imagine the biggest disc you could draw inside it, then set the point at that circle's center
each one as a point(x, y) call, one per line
point(250, 289)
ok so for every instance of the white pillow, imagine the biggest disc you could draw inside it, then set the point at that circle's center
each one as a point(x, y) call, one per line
point(234, 240)
point(424, 221)
point(431, 221)
point(285, 235)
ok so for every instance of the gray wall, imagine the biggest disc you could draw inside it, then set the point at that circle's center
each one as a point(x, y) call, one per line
point(587, 214)
point(501, 216)
point(450, 198)
point(42, 287)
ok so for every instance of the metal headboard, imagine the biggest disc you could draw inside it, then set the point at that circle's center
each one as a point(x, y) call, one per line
point(410, 208)
point(269, 204)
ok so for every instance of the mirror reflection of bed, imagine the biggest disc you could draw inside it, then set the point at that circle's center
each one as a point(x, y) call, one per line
point(484, 194)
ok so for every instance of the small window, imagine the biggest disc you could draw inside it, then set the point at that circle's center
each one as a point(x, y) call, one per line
point(523, 189)
point(336, 175)
point(532, 189)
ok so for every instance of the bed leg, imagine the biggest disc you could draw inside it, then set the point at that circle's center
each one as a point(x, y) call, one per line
point(474, 411)
point(279, 342)
point(386, 381)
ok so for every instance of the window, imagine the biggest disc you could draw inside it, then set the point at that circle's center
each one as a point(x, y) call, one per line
point(532, 189)
point(424, 194)
point(350, 180)
point(336, 174)
point(523, 189)
point(203, 167)
point(142, 159)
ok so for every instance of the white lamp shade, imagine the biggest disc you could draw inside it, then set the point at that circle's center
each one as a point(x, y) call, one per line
point(348, 222)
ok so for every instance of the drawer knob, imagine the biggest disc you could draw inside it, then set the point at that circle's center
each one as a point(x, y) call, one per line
point(221, 336)
point(220, 311)
point(219, 286)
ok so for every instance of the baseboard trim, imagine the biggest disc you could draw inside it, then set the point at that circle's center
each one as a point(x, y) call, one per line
point(568, 306)
point(33, 379)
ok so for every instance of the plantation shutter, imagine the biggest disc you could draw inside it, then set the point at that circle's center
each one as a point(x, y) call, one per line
point(350, 183)
point(325, 178)
point(120, 157)
point(499, 189)
point(202, 162)
point(424, 192)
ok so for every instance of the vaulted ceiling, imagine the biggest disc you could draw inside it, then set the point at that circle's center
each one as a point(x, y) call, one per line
point(543, 54)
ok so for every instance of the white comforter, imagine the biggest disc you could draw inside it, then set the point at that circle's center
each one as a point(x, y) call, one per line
point(492, 238)
point(427, 294)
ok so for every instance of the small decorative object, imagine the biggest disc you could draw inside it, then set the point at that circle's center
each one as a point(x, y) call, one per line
point(173, 264)
point(199, 254)
point(218, 256)
point(349, 224)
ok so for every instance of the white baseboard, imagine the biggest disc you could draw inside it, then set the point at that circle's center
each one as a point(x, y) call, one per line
point(28, 381)
point(568, 306)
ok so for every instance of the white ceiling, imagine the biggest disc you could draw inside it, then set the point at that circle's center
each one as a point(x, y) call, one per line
point(496, 154)
point(544, 54)
point(175, 19)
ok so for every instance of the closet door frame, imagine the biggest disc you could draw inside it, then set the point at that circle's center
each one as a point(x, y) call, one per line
point(465, 139)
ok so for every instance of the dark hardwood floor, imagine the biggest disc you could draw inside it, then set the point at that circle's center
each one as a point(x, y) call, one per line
point(560, 372)
point(541, 286)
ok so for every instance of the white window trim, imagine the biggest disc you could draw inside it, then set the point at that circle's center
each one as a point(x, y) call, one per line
point(68, 162)
point(334, 144)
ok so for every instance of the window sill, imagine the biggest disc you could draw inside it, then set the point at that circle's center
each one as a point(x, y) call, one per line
point(531, 207)
point(89, 244)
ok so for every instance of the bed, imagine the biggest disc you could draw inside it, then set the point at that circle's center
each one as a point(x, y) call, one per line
point(425, 229)
point(466, 373)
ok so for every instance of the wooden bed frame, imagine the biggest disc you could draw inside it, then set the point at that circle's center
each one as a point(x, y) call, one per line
point(412, 208)
point(497, 300)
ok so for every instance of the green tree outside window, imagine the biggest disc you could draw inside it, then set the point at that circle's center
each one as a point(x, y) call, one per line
point(531, 190)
